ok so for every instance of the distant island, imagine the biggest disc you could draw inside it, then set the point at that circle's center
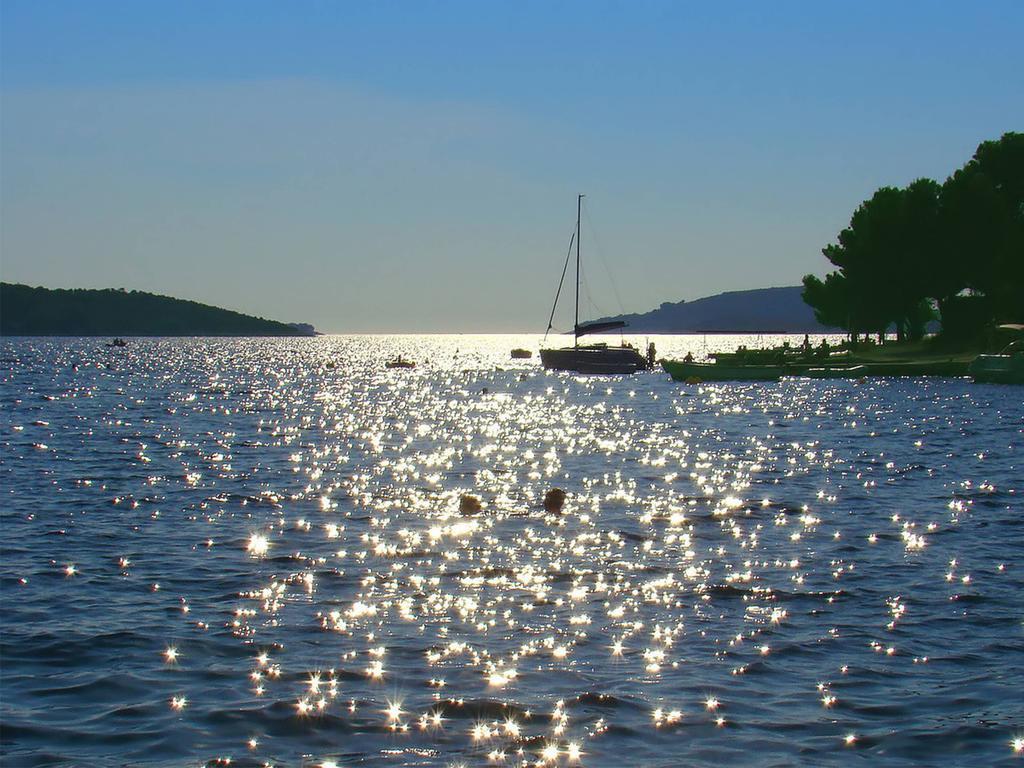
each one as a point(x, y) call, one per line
point(762, 310)
point(28, 311)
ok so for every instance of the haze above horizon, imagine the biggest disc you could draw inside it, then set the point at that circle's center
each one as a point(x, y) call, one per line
point(414, 167)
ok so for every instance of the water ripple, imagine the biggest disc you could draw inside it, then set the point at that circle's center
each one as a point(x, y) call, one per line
point(263, 551)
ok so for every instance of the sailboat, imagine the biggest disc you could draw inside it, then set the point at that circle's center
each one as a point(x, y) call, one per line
point(590, 358)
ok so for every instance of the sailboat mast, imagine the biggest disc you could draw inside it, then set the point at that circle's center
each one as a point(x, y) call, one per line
point(576, 326)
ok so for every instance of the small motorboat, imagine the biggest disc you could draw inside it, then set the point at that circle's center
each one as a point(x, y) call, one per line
point(399, 362)
point(521, 354)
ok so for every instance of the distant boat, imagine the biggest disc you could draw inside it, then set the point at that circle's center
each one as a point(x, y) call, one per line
point(399, 362)
point(521, 354)
point(118, 342)
point(591, 358)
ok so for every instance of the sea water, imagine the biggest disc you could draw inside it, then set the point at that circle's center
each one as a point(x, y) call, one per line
point(251, 551)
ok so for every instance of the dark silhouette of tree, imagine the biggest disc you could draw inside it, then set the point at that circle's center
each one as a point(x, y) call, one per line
point(908, 248)
point(880, 257)
point(830, 300)
point(983, 227)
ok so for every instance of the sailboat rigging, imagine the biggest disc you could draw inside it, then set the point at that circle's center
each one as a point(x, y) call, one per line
point(589, 358)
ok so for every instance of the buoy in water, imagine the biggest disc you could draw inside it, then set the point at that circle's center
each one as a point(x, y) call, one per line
point(554, 500)
point(469, 505)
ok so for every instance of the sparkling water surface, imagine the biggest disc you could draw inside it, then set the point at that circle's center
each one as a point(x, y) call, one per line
point(251, 550)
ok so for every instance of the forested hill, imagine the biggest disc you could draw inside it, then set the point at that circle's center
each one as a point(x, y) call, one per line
point(27, 311)
point(762, 310)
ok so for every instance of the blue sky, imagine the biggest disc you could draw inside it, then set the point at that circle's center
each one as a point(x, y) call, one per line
point(413, 166)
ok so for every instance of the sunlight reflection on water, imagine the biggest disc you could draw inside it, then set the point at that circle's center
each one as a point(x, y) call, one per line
point(254, 549)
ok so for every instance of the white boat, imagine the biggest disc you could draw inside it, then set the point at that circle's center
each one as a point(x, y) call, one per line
point(1005, 368)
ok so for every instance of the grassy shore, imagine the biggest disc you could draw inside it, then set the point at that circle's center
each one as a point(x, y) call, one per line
point(935, 348)
point(931, 349)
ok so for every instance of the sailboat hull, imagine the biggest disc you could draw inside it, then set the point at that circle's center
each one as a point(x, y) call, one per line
point(594, 358)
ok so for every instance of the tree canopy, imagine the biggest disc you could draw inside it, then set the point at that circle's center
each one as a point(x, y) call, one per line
point(908, 249)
